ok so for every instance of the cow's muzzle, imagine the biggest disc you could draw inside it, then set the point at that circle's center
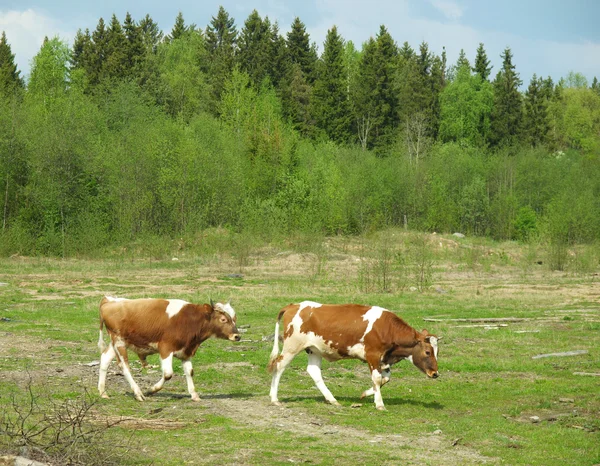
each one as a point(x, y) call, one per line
point(235, 337)
point(434, 375)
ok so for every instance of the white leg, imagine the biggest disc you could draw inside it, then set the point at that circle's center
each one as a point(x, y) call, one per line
point(377, 379)
point(314, 370)
point(105, 359)
point(385, 378)
point(167, 372)
point(286, 358)
point(121, 352)
point(189, 373)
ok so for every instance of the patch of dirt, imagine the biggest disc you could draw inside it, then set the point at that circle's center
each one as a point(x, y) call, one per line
point(428, 449)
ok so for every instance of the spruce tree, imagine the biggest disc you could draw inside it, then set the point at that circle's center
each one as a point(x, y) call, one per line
point(595, 86)
point(507, 115)
point(330, 93)
point(482, 64)
point(116, 60)
point(278, 54)
point(300, 51)
point(462, 60)
point(98, 53)
point(221, 41)
point(254, 44)
point(151, 34)
point(179, 28)
point(535, 123)
point(136, 50)
point(10, 79)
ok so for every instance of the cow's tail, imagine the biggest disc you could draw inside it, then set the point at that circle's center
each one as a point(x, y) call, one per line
point(275, 352)
point(101, 344)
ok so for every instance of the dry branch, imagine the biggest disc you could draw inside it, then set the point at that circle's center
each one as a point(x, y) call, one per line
point(480, 319)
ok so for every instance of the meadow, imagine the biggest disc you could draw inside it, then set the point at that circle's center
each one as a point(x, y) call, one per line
point(496, 305)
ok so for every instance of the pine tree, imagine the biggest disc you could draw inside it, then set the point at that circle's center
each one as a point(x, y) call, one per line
point(10, 79)
point(482, 64)
point(507, 116)
point(462, 60)
point(116, 60)
point(98, 53)
point(179, 28)
point(406, 52)
point(330, 93)
point(221, 40)
point(136, 50)
point(595, 86)
point(300, 51)
point(296, 100)
point(278, 54)
point(151, 34)
point(254, 43)
point(376, 99)
point(535, 124)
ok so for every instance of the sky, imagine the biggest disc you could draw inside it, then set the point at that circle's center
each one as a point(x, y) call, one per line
point(547, 37)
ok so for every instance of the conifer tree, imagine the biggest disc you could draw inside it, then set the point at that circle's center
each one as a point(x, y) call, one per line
point(254, 43)
point(300, 51)
point(482, 64)
point(330, 93)
point(535, 123)
point(462, 60)
point(221, 42)
point(507, 116)
point(98, 53)
point(179, 28)
point(10, 79)
point(136, 50)
point(116, 60)
point(595, 86)
point(151, 34)
point(406, 51)
point(278, 56)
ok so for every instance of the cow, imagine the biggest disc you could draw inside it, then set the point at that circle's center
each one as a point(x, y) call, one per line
point(169, 327)
point(349, 331)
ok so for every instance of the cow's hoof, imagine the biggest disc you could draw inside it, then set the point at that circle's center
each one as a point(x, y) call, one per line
point(276, 403)
point(105, 396)
point(195, 397)
point(381, 408)
point(140, 397)
point(334, 403)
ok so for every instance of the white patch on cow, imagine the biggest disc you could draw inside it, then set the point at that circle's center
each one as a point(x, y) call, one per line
point(434, 344)
point(371, 316)
point(410, 358)
point(175, 305)
point(113, 299)
point(226, 308)
point(304, 304)
point(357, 351)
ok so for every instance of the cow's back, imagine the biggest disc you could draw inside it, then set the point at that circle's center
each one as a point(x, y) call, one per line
point(138, 321)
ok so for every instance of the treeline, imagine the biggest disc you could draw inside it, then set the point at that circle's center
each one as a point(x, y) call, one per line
point(133, 133)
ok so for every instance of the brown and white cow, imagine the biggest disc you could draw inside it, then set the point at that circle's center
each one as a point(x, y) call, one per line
point(349, 331)
point(169, 327)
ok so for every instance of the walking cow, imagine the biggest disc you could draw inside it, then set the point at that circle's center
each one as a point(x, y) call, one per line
point(169, 327)
point(349, 331)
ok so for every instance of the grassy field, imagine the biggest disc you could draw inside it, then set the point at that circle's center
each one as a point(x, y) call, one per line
point(493, 404)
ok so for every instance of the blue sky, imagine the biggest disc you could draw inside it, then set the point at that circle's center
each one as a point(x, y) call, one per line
point(547, 37)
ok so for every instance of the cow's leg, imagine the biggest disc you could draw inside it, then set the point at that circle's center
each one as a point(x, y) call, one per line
point(105, 359)
point(166, 363)
point(121, 352)
point(189, 373)
point(385, 378)
point(377, 378)
point(283, 361)
point(314, 370)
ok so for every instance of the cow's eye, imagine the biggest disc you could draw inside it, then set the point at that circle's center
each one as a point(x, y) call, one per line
point(428, 353)
point(223, 319)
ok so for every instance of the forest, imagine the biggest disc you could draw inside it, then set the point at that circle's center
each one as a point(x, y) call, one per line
point(133, 133)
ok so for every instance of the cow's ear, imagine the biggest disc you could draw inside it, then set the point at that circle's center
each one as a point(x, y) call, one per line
point(425, 332)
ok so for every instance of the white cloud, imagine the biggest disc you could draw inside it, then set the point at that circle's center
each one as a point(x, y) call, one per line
point(451, 10)
point(25, 31)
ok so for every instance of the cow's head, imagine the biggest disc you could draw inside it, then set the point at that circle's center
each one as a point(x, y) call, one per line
point(425, 353)
point(223, 320)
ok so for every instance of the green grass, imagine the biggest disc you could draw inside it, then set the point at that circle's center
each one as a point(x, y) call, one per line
point(488, 390)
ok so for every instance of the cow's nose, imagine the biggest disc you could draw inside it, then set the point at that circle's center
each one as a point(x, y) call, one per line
point(435, 375)
point(237, 337)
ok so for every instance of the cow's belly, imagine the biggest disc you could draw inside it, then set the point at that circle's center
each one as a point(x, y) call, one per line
point(145, 350)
